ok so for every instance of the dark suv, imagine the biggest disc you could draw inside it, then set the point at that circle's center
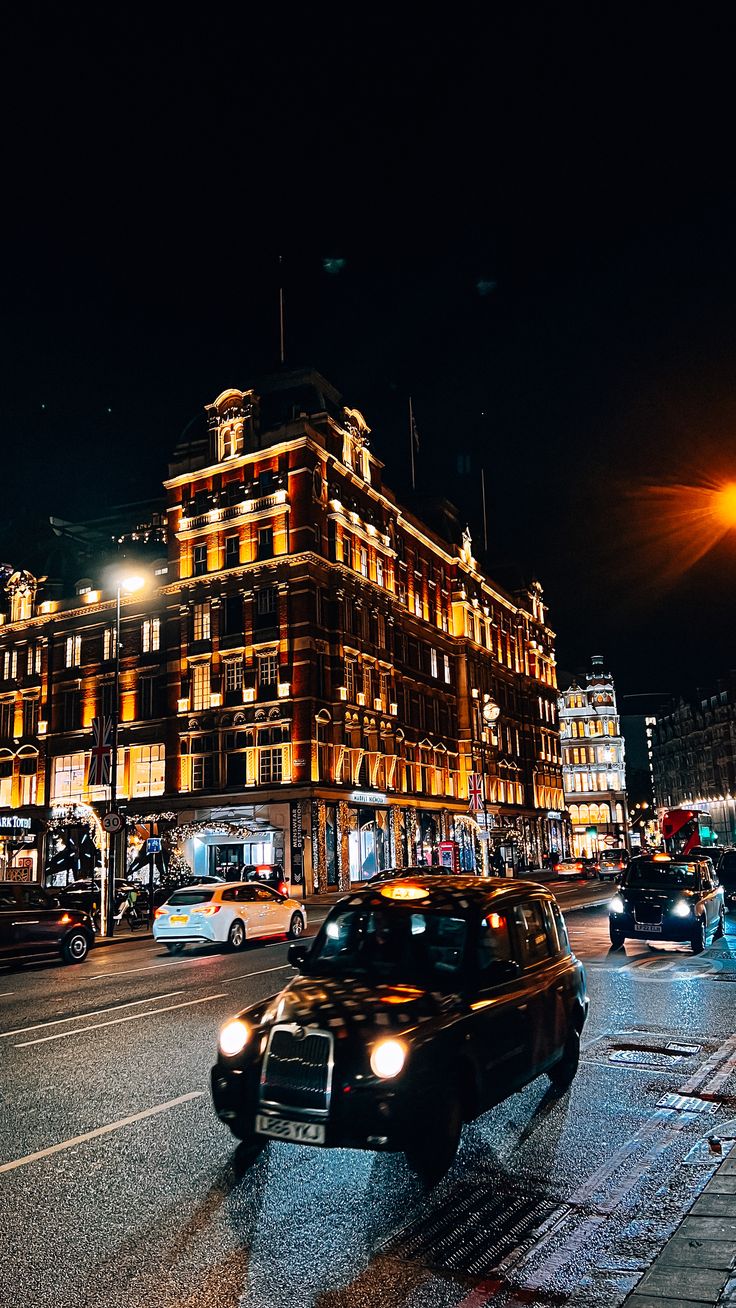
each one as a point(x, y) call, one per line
point(668, 898)
point(422, 1003)
point(34, 922)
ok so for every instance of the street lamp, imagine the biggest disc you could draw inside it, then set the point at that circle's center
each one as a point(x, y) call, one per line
point(128, 585)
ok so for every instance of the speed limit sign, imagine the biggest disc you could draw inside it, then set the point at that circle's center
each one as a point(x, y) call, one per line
point(112, 822)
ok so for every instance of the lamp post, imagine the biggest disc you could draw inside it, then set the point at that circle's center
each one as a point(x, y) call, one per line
point(130, 585)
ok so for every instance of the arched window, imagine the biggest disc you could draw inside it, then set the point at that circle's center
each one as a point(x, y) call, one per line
point(619, 813)
point(605, 814)
point(574, 813)
point(584, 814)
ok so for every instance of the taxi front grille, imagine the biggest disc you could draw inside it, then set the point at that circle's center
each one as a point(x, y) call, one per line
point(648, 913)
point(297, 1069)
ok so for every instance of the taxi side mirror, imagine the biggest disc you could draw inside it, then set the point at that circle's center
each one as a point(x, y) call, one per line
point(298, 954)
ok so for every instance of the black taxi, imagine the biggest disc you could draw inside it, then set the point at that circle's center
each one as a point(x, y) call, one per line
point(33, 921)
point(668, 897)
point(420, 1004)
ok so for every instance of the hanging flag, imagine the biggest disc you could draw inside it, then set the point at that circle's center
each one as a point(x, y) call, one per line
point(100, 762)
point(475, 792)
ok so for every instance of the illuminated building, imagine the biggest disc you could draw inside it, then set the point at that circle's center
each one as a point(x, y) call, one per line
point(593, 763)
point(312, 673)
point(694, 756)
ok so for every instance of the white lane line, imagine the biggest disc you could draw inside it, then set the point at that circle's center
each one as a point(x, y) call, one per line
point(101, 1130)
point(150, 967)
point(95, 1012)
point(282, 968)
point(3, 993)
point(132, 1017)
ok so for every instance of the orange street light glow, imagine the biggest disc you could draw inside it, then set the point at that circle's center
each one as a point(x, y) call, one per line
point(724, 504)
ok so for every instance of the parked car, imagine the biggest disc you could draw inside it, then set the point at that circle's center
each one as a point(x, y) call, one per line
point(33, 921)
point(613, 863)
point(227, 914)
point(421, 1003)
point(668, 898)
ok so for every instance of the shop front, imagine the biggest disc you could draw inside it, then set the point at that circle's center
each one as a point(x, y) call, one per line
point(369, 835)
point(21, 835)
point(231, 842)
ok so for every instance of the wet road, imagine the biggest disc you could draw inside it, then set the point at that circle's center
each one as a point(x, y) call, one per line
point(119, 1186)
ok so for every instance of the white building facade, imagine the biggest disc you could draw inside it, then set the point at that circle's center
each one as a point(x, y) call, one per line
point(593, 763)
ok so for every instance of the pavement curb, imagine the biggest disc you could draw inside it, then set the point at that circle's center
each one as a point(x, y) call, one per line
point(696, 1264)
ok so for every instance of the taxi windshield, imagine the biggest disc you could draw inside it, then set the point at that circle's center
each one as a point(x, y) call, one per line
point(397, 944)
point(663, 876)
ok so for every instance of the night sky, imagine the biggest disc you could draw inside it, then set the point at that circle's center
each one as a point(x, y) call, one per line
point(525, 223)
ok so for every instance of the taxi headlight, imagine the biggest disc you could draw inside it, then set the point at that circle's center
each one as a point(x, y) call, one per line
point(682, 908)
point(616, 905)
point(388, 1058)
point(234, 1037)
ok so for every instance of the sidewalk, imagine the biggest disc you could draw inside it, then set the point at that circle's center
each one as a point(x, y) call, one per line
point(696, 1266)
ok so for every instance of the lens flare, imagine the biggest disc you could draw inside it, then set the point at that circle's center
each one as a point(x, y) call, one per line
point(673, 527)
point(724, 505)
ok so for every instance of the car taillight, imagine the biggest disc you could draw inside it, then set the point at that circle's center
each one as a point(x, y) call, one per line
point(208, 909)
point(161, 912)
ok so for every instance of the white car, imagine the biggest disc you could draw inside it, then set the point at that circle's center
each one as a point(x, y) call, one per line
point(571, 868)
point(227, 914)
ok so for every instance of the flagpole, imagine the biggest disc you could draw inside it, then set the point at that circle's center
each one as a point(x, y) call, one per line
point(411, 444)
point(281, 309)
point(485, 519)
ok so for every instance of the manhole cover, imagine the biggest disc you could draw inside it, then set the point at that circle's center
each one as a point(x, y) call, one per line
point(687, 1104)
point(472, 1232)
point(645, 1057)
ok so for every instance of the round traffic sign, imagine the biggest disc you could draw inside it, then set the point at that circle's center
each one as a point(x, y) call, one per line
point(112, 822)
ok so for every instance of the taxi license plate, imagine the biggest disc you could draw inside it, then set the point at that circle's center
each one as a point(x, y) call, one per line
point(651, 928)
point(177, 920)
point(283, 1129)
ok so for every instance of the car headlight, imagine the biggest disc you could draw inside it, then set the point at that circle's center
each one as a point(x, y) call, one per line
point(388, 1058)
point(682, 908)
point(234, 1037)
point(616, 905)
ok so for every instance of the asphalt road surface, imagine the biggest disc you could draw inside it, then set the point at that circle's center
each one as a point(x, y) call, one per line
point(118, 1186)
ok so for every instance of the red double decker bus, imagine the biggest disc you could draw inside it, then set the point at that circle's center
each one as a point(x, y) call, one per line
point(684, 829)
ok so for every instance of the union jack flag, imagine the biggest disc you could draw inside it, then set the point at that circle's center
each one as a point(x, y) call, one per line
point(100, 762)
point(475, 792)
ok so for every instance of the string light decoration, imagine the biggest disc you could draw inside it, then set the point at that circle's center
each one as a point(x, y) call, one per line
point(412, 833)
point(71, 816)
point(396, 836)
point(319, 845)
point(343, 845)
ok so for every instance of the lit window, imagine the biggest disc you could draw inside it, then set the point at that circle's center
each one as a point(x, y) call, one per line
point(350, 680)
point(433, 661)
point(200, 686)
point(379, 570)
point(73, 651)
point(67, 777)
point(201, 625)
point(447, 668)
point(108, 643)
point(151, 635)
point(267, 670)
point(147, 769)
point(363, 562)
point(270, 765)
point(233, 674)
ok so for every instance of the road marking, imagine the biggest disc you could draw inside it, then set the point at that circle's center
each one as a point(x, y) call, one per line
point(281, 968)
point(3, 993)
point(150, 967)
point(100, 1131)
point(95, 1012)
point(132, 1017)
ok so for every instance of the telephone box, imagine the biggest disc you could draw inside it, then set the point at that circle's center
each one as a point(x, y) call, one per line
point(450, 855)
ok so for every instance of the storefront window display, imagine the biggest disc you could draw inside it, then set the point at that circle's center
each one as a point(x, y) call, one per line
point(368, 841)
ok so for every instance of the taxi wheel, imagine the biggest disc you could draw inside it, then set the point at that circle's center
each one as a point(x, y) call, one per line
point(617, 938)
point(75, 947)
point(721, 928)
point(433, 1149)
point(296, 926)
point(236, 935)
point(175, 947)
point(698, 937)
point(562, 1074)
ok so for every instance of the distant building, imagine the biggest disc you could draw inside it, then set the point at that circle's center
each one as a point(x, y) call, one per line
point(593, 762)
point(694, 756)
point(640, 714)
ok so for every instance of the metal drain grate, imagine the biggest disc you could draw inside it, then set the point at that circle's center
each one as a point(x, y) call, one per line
point(674, 1047)
point(687, 1104)
point(472, 1232)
